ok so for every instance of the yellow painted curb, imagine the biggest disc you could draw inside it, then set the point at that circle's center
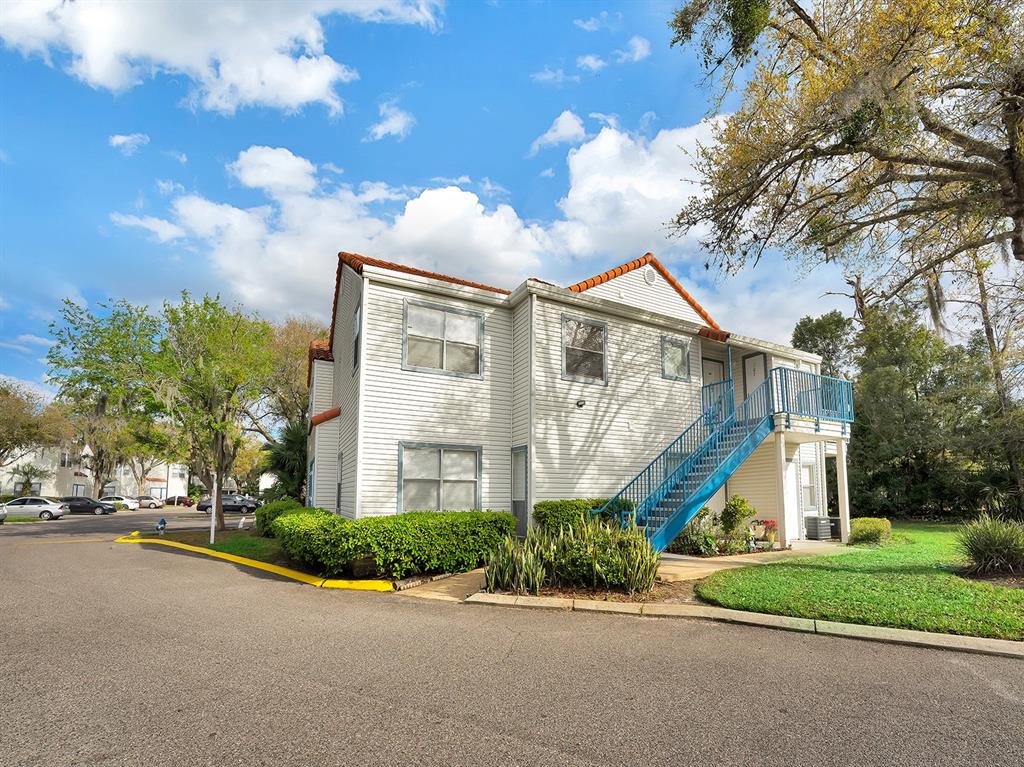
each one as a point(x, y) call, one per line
point(367, 585)
point(286, 572)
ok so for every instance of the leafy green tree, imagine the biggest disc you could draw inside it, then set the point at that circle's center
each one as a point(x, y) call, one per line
point(285, 395)
point(213, 362)
point(920, 412)
point(286, 460)
point(103, 364)
point(886, 135)
point(27, 423)
point(831, 336)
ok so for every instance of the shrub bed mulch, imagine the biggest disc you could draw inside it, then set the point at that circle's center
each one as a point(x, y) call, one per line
point(755, 552)
point(663, 592)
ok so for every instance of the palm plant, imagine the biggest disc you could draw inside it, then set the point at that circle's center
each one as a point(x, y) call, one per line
point(286, 460)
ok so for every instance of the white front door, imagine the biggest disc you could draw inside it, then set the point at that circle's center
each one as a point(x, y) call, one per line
point(753, 372)
point(713, 371)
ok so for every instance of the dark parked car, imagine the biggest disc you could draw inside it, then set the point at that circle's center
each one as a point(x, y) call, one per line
point(180, 500)
point(79, 504)
point(231, 502)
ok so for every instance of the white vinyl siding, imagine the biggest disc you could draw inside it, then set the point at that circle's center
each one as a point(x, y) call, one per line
point(521, 372)
point(632, 289)
point(594, 449)
point(757, 480)
point(346, 389)
point(411, 406)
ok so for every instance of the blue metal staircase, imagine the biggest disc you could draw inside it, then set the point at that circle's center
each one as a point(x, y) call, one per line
point(669, 492)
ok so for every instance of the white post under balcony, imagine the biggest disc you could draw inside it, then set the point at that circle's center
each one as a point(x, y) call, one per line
point(780, 481)
point(844, 491)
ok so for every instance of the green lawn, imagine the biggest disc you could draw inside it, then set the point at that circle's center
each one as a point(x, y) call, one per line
point(242, 543)
point(909, 584)
point(12, 518)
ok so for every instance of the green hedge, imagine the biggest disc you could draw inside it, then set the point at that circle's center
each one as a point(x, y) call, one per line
point(553, 515)
point(401, 545)
point(870, 530)
point(266, 514)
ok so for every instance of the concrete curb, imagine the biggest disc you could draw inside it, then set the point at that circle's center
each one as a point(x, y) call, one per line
point(284, 572)
point(980, 645)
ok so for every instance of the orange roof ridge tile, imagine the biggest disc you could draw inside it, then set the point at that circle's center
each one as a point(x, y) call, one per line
point(647, 258)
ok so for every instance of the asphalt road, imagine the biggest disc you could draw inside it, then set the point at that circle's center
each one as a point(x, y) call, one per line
point(119, 654)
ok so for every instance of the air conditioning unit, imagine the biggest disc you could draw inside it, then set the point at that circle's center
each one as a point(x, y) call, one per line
point(817, 528)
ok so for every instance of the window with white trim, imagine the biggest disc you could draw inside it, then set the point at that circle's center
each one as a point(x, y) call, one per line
point(584, 345)
point(444, 339)
point(440, 478)
point(675, 358)
point(808, 487)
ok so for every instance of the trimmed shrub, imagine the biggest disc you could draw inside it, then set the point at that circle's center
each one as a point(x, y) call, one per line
point(266, 514)
point(737, 510)
point(870, 530)
point(406, 544)
point(553, 515)
point(592, 553)
point(992, 545)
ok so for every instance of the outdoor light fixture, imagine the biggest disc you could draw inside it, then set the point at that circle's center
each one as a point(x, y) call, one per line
point(580, 403)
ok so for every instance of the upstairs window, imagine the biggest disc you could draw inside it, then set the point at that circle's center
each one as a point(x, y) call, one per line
point(443, 339)
point(675, 359)
point(439, 477)
point(584, 344)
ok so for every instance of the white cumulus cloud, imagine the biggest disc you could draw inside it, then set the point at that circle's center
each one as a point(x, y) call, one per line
point(556, 77)
point(566, 129)
point(623, 188)
point(164, 231)
point(591, 62)
point(128, 143)
point(394, 121)
point(637, 49)
point(235, 53)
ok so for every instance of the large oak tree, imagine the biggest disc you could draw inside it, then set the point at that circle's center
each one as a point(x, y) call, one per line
point(885, 134)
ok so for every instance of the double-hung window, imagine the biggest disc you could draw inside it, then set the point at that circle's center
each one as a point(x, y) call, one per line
point(675, 358)
point(439, 477)
point(584, 350)
point(443, 339)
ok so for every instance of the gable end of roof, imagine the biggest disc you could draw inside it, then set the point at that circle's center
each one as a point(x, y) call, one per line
point(647, 258)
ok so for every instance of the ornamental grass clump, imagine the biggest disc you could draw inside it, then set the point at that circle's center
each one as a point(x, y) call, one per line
point(592, 554)
point(992, 545)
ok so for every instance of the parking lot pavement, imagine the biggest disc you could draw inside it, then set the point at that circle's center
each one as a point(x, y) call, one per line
point(113, 525)
point(123, 655)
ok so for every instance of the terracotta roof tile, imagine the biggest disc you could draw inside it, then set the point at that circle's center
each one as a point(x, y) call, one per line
point(647, 258)
point(318, 350)
point(324, 417)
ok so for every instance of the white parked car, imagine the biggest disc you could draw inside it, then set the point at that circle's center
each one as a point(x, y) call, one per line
point(36, 506)
point(129, 503)
point(3, 514)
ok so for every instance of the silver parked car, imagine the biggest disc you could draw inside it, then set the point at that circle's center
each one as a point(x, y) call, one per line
point(3, 514)
point(149, 502)
point(37, 506)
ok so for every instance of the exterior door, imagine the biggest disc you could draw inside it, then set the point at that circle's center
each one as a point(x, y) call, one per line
point(519, 490)
point(713, 371)
point(753, 372)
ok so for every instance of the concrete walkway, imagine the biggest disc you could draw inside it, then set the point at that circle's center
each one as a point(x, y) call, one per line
point(679, 567)
point(454, 588)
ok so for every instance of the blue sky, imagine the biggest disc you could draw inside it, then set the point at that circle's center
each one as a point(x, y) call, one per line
point(236, 148)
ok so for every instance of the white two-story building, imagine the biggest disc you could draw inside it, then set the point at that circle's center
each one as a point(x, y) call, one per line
point(435, 392)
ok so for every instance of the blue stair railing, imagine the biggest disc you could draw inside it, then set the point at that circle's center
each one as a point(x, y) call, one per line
point(670, 491)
